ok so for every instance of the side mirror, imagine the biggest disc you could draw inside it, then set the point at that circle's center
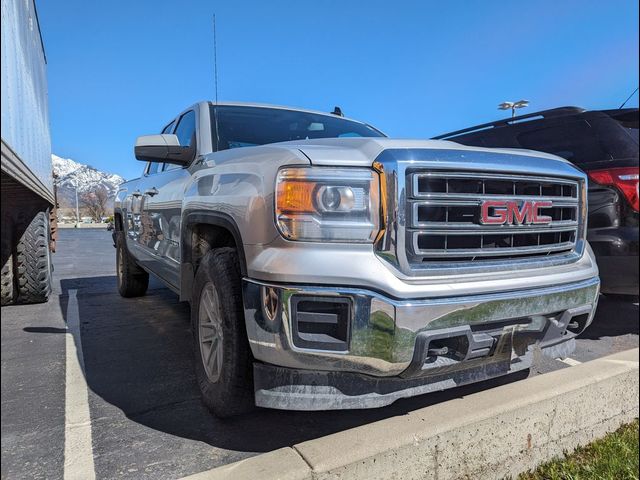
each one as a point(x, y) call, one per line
point(162, 148)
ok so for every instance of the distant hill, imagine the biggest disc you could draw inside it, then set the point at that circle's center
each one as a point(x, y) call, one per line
point(87, 179)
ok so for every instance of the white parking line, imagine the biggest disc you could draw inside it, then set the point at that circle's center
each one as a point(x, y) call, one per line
point(78, 449)
point(570, 361)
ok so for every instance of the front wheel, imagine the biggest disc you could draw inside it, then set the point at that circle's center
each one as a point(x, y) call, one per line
point(222, 356)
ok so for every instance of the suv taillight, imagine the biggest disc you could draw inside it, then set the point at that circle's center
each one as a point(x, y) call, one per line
point(624, 179)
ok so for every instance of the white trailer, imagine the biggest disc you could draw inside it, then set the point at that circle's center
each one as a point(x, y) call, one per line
point(28, 193)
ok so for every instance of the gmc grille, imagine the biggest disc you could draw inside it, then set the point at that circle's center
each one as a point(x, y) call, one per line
point(444, 216)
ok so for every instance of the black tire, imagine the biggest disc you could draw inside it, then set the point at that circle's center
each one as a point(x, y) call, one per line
point(230, 393)
point(32, 261)
point(133, 281)
point(7, 294)
point(8, 291)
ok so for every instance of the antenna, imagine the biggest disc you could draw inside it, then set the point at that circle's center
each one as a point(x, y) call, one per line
point(628, 98)
point(215, 77)
point(215, 58)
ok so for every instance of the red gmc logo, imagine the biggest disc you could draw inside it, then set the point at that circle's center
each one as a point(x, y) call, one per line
point(508, 212)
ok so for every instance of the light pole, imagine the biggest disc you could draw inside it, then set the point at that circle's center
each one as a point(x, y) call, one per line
point(513, 105)
point(77, 209)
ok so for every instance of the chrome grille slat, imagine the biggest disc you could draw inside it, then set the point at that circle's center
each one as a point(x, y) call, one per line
point(460, 229)
point(479, 252)
point(493, 176)
point(473, 198)
point(443, 212)
point(417, 223)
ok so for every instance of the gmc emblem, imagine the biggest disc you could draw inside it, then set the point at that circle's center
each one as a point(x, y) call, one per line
point(508, 212)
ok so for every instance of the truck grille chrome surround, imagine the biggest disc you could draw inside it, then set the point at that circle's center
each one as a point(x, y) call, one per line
point(471, 216)
point(457, 211)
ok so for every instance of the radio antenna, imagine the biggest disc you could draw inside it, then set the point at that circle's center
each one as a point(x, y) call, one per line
point(215, 58)
point(628, 98)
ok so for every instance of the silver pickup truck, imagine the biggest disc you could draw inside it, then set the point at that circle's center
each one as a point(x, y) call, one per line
point(328, 266)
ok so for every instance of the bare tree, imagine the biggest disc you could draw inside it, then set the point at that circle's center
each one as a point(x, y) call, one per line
point(95, 203)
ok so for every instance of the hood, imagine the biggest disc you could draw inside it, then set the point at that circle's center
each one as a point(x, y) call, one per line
point(363, 151)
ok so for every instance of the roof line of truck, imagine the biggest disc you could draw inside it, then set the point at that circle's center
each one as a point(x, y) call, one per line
point(282, 107)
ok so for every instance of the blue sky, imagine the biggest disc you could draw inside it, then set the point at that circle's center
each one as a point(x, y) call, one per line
point(119, 69)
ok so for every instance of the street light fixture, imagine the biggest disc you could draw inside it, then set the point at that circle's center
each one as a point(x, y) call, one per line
point(513, 105)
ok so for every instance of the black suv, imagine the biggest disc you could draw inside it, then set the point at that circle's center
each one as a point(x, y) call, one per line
point(603, 143)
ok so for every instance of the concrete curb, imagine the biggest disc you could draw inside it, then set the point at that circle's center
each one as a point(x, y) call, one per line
point(490, 434)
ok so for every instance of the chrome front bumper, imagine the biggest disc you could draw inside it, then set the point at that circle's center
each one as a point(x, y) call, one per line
point(389, 337)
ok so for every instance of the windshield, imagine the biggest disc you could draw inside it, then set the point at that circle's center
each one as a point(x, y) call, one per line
point(240, 126)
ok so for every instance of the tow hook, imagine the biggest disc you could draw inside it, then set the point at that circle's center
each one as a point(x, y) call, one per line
point(434, 352)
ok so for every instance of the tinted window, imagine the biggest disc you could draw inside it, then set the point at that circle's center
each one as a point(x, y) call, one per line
point(628, 120)
point(170, 166)
point(186, 129)
point(250, 126)
point(153, 167)
point(575, 141)
point(583, 142)
point(168, 128)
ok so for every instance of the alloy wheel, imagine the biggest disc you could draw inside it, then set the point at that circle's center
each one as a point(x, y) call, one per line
point(210, 332)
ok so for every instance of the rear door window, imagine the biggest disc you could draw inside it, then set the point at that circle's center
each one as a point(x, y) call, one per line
point(186, 129)
point(168, 128)
point(186, 133)
point(155, 167)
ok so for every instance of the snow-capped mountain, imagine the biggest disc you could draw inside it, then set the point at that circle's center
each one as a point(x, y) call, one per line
point(72, 175)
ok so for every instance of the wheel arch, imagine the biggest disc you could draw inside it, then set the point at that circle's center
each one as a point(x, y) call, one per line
point(200, 232)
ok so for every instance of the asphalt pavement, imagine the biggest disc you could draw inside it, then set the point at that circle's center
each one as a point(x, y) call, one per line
point(144, 417)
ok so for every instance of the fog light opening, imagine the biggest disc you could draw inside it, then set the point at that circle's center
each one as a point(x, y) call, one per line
point(321, 323)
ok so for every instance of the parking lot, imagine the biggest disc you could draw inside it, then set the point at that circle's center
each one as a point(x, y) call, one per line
point(144, 418)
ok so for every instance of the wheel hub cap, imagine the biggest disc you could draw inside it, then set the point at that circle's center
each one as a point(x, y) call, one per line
point(210, 332)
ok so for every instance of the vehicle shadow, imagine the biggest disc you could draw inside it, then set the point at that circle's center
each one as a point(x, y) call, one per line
point(614, 317)
point(138, 358)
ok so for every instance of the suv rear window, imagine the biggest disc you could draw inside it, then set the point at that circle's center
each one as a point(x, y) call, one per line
point(599, 137)
point(576, 141)
point(582, 139)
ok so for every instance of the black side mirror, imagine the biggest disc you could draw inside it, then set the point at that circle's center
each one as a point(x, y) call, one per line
point(163, 148)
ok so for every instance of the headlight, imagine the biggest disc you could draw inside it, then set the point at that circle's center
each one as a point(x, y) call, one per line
point(328, 204)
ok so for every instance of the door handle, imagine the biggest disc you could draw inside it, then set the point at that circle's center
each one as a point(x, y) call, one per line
point(151, 191)
point(137, 193)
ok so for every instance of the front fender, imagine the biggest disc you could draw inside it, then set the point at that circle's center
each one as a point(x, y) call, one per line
point(233, 189)
point(240, 184)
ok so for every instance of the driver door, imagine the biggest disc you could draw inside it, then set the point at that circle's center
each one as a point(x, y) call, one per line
point(162, 206)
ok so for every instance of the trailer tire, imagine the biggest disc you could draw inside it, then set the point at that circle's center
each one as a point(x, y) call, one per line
point(8, 290)
point(133, 281)
point(224, 375)
point(7, 295)
point(33, 261)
